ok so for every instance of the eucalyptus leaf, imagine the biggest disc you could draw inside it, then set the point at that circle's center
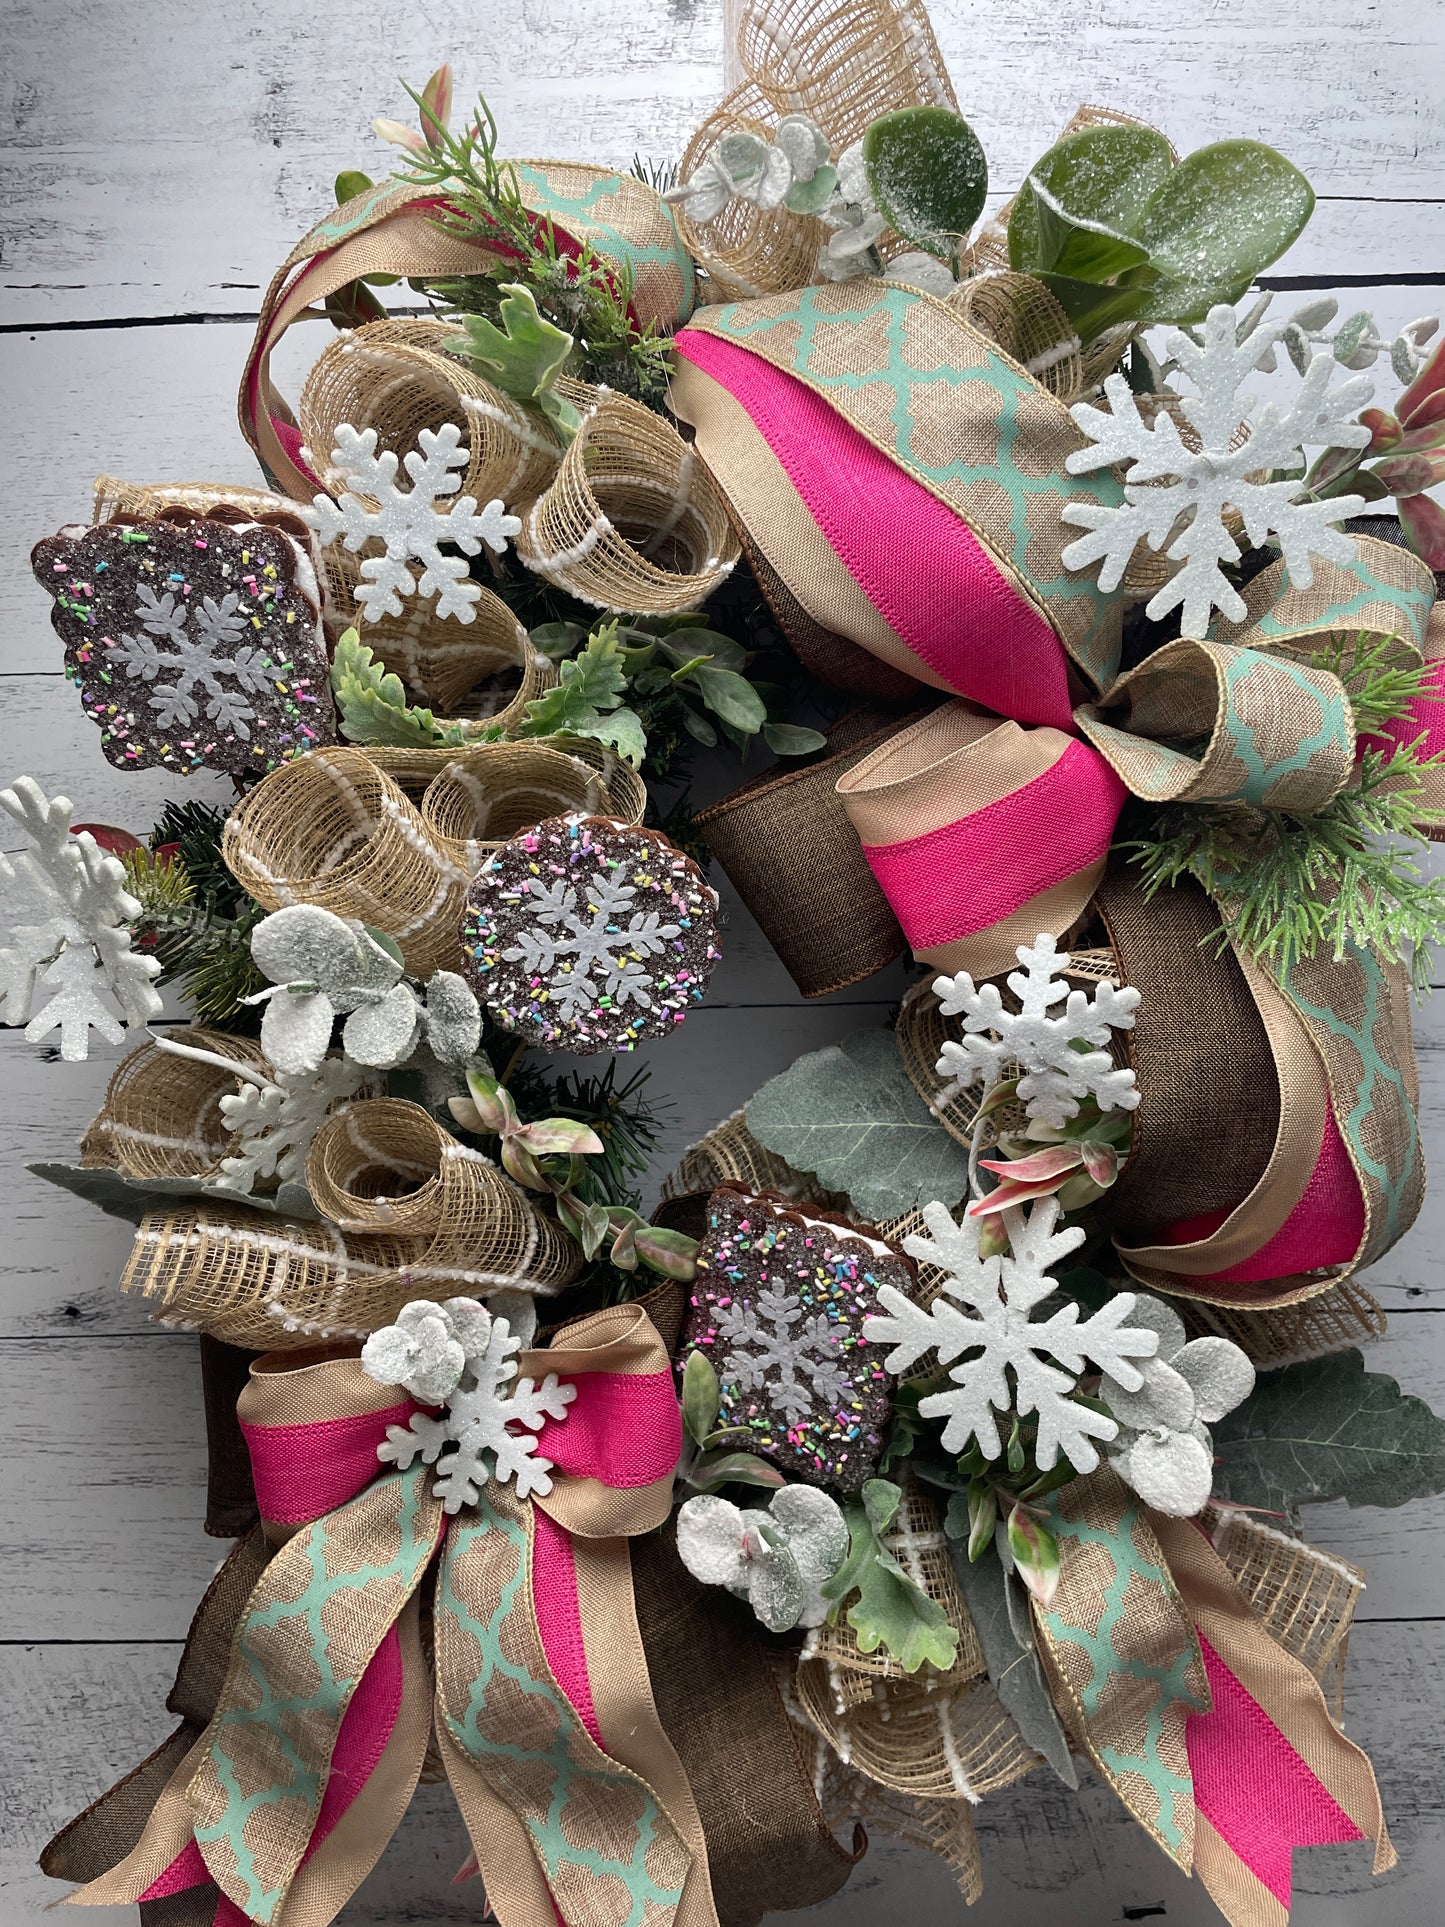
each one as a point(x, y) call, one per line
point(453, 1017)
point(683, 644)
point(927, 174)
point(1328, 1429)
point(131, 1198)
point(849, 1115)
point(699, 728)
point(296, 1030)
point(304, 943)
point(382, 1034)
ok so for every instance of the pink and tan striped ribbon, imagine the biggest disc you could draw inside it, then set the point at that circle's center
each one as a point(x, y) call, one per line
point(983, 832)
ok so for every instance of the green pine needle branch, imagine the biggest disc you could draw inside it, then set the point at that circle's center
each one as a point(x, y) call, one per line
point(1286, 886)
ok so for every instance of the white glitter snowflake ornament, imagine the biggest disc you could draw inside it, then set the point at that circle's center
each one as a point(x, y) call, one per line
point(409, 521)
point(1015, 1366)
point(1174, 490)
point(1055, 1072)
point(66, 912)
point(459, 1355)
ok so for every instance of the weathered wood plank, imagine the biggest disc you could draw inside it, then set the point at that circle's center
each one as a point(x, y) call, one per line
point(78, 1716)
point(177, 185)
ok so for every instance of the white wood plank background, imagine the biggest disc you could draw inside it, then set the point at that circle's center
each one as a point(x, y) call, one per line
point(159, 159)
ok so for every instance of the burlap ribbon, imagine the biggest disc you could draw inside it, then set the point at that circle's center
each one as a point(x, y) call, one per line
point(1217, 1739)
point(394, 229)
point(544, 1714)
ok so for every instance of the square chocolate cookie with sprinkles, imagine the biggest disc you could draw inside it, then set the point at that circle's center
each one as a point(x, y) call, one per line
point(195, 643)
point(778, 1307)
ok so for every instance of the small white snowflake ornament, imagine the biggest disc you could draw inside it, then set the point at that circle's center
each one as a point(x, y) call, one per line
point(1041, 1040)
point(66, 911)
point(1014, 1368)
point(1171, 490)
point(778, 1557)
point(1164, 1450)
point(458, 1355)
point(276, 1120)
point(409, 522)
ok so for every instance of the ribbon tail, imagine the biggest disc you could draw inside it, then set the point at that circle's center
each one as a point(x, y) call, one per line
point(315, 1695)
point(600, 1846)
point(165, 1859)
point(1271, 1769)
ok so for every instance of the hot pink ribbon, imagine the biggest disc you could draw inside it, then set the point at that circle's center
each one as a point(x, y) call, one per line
point(623, 1430)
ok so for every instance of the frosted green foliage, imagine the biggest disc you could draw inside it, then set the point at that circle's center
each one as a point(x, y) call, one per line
point(524, 357)
point(778, 1557)
point(927, 176)
point(1164, 1449)
point(1120, 233)
point(792, 170)
point(323, 966)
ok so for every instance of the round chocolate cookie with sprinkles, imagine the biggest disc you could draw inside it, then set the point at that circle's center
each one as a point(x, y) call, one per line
point(196, 643)
point(584, 934)
point(777, 1308)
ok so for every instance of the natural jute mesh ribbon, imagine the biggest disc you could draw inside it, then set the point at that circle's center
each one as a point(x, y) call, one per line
point(482, 796)
point(745, 250)
point(1027, 322)
point(1343, 1316)
point(1306, 1598)
point(843, 64)
point(337, 831)
point(941, 1735)
point(402, 376)
point(470, 673)
point(829, 922)
point(425, 1218)
point(162, 1112)
point(633, 520)
point(941, 1827)
point(125, 501)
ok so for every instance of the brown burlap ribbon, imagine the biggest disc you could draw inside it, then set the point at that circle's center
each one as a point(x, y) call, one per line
point(784, 840)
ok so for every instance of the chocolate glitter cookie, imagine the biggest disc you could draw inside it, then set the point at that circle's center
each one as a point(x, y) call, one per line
point(778, 1307)
point(585, 935)
point(196, 642)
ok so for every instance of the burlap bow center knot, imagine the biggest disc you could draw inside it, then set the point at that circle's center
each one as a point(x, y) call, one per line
point(533, 1678)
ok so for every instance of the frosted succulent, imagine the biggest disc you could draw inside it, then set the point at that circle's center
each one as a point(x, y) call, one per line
point(778, 1557)
point(1164, 1449)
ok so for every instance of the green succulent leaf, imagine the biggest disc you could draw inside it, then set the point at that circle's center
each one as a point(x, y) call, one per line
point(1078, 212)
point(1035, 1553)
point(927, 174)
point(730, 697)
point(523, 357)
point(734, 1468)
point(890, 1610)
point(849, 1114)
point(1216, 221)
point(349, 183)
point(811, 197)
point(701, 1397)
point(1328, 1429)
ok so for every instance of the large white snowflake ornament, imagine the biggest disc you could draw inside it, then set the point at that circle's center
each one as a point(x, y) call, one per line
point(774, 1346)
point(460, 1355)
point(66, 911)
point(1056, 1073)
point(1172, 490)
point(409, 522)
point(1006, 1362)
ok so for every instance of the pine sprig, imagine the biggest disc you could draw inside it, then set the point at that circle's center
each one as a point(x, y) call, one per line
point(195, 917)
point(584, 292)
point(1286, 886)
point(1380, 678)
